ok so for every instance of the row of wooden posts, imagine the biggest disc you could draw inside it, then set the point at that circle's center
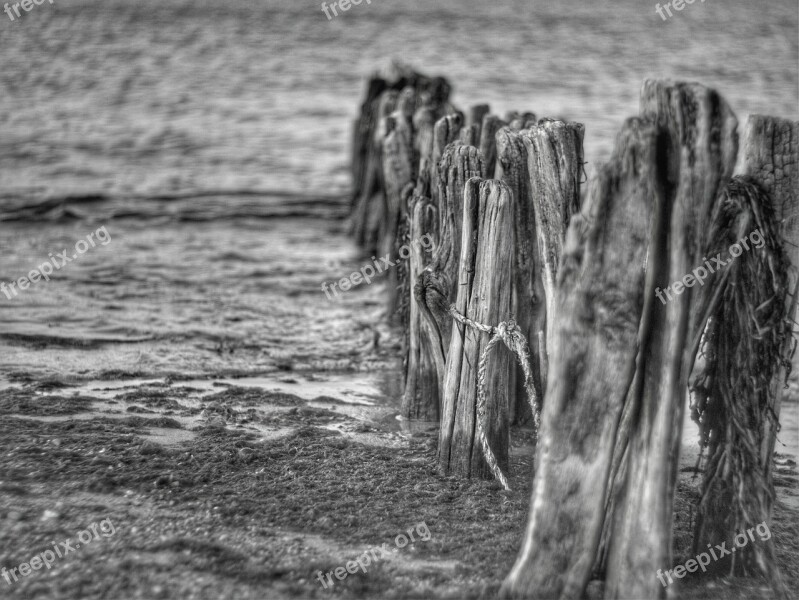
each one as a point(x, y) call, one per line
point(567, 284)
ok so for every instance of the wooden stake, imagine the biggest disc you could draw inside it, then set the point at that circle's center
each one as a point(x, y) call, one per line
point(591, 361)
point(446, 130)
point(364, 125)
point(398, 165)
point(458, 164)
point(555, 163)
point(771, 158)
point(485, 255)
point(369, 212)
point(528, 306)
point(488, 143)
point(425, 364)
point(702, 144)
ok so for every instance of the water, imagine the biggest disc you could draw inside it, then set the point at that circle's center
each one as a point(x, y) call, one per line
point(242, 110)
point(152, 96)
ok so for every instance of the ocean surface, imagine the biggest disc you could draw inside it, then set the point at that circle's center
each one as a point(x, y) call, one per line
point(211, 140)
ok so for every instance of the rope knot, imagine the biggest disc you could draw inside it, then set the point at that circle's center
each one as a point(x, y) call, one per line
point(510, 333)
point(513, 337)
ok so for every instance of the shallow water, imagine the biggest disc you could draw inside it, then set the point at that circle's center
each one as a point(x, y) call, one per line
point(220, 297)
point(148, 96)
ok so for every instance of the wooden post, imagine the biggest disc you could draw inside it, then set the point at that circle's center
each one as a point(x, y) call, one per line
point(771, 158)
point(369, 131)
point(475, 117)
point(458, 164)
point(488, 143)
point(364, 125)
point(446, 130)
point(424, 372)
point(423, 125)
point(430, 289)
point(764, 199)
point(702, 144)
point(369, 212)
point(555, 163)
point(486, 252)
point(399, 163)
point(742, 344)
point(528, 306)
point(592, 360)
point(436, 288)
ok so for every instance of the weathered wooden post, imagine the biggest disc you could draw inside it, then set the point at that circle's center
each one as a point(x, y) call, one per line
point(488, 143)
point(475, 118)
point(369, 211)
point(592, 360)
point(702, 144)
point(747, 343)
point(445, 131)
point(399, 169)
point(771, 158)
point(470, 134)
point(458, 164)
point(369, 131)
point(555, 165)
point(424, 121)
point(742, 346)
point(425, 363)
point(483, 296)
point(436, 288)
point(362, 131)
point(528, 306)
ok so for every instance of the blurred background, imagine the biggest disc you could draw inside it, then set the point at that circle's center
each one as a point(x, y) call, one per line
point(148, 96)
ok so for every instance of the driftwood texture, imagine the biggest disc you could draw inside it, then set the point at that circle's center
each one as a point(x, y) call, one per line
point(483, 295)
point(702, 144)
point(555, 165)
point(592, 360)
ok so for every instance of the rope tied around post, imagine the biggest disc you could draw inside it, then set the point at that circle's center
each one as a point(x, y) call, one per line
point(510, 333)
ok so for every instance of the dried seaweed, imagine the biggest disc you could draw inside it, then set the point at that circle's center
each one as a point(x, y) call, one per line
point(732, 395)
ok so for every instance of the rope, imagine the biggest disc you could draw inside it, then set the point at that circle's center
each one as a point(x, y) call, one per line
point(510, 333)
